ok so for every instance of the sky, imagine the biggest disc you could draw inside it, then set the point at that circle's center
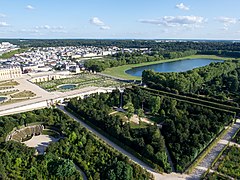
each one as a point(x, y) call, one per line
point(120, 19)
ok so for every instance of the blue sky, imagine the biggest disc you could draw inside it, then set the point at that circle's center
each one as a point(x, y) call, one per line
point(134, 19)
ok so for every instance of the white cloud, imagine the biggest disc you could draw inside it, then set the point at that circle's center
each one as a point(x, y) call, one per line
point(225, 28)
point(29, 31)
point(104, 27)
point(2, 15)
point(176, 21)
point(47, 27)
point(50, 29)
point(226, 21)
point(3, 24)
point(58, 31)
point(30, 7)
point(182, 7)
point(97, 22)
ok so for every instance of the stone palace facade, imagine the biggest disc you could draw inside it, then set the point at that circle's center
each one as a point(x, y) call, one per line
point(10, 73)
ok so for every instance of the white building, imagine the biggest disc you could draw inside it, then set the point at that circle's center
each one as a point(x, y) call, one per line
point(10, 73)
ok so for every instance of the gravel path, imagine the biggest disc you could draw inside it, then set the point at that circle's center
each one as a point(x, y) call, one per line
point(206, 162)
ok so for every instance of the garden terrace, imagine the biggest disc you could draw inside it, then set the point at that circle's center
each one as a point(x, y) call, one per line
point(81, 81)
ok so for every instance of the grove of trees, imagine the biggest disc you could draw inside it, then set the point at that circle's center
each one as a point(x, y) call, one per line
point(218, 80)
point(187, 128)
point(146, 141)
point(78, 146)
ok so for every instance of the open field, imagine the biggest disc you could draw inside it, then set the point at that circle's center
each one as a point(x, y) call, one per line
point(120, 70)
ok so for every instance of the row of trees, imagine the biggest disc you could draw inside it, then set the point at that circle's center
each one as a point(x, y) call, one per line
point(186, 128)
point(224, 53)
point(146, 141)
point(78, 146)
point(120, 59)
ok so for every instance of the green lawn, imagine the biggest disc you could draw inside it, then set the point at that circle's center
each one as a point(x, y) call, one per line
point(122, 116)
point(8, 83)
point(23, 94)
point(12, 53)
point(120, 70)
point(81, 81)
point(141, 125)
point(154, 118)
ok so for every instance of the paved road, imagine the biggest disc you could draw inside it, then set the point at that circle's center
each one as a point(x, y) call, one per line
point(157, 176)
point(206, 162)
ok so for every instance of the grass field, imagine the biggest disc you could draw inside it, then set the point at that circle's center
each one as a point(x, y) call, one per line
point(120, 70)
point(23, 94)
point(8, 83)
point(12, 53)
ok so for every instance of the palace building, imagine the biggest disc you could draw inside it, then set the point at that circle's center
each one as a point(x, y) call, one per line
point(10, 73)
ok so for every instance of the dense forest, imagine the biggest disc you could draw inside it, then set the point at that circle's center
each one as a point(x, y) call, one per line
point(187, 128)
point(155, 45)
point(218, 80)
point(77, 147)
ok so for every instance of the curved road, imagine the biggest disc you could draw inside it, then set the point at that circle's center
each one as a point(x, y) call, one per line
point(130, 156)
